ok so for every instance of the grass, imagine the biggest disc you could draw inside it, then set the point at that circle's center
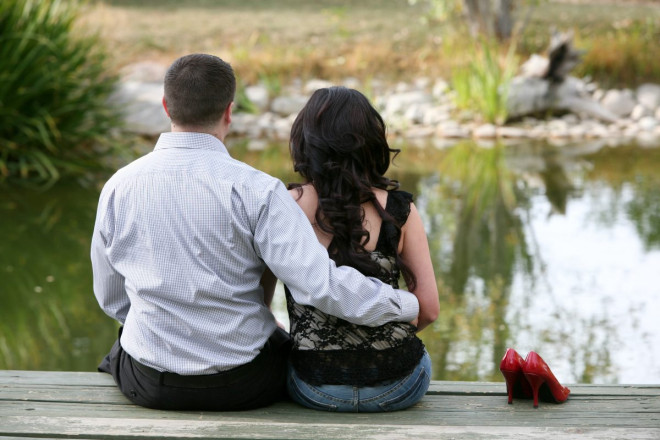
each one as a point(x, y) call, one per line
point(373, 38)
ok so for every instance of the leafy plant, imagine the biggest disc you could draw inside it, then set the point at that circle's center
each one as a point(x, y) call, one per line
point(483, 85)
point(53, 92)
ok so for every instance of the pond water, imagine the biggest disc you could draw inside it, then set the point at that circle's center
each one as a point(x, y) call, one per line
point(552, 249)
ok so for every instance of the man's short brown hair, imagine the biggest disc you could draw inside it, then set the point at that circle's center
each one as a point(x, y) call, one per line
point(198, 89)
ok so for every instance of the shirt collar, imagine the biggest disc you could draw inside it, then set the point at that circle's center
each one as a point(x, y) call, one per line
point(190, 140)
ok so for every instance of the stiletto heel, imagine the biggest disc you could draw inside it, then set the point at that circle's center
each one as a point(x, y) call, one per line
point(544, 384)
point(512, 370)
point(511, 378)
point(536, 382)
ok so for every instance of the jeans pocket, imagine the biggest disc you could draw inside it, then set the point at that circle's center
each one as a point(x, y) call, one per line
point(409, 393)
point(309, 397)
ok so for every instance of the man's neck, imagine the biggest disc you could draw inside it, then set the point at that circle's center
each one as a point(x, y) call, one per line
point(217, 131)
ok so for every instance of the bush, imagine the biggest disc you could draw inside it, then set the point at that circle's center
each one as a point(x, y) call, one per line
point(53, 92)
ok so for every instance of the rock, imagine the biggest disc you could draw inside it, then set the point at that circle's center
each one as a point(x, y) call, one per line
point(440, 87)
point(558, 128)
point(619, 102)
point(640, 111)
point(649, 96)
point(314, 84)
point(598, 94)
point(435, 115)
point(535, 66)
point(647, 123)
point(141, 107)
point(422, 83)
point(402, 87)
point(266, 121)
point(288, 105)
point(415, 112)
point(511, 132)
point(282, 128)
point(259, 96)
point(485, 131)
point(630, 131)
point(399, 102)
point(257, 144)
point(647, 139)
point(419, 131)
point(451, 129)
point(352, 83)
point(596, 131)
point(243, 124)
point(539, 131)
point(144, 71)
point(577, 131)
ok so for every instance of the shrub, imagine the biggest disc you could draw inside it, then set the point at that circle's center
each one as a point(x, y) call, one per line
point(53, 92)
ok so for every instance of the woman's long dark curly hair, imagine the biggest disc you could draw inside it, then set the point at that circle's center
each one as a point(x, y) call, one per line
point(339, 145)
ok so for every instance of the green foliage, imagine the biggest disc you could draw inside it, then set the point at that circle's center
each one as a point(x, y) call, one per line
point(53, 92)
point(242, 102)
point(625, 55)
point(440, 10)
point(483, 85)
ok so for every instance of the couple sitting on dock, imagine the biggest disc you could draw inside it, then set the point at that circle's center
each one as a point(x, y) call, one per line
point(188, 244)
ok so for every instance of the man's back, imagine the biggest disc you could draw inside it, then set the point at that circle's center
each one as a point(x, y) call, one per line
point(179, 226)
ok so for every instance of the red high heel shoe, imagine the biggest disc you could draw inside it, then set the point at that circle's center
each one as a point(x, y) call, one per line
point(512, 370)
point(542, 381)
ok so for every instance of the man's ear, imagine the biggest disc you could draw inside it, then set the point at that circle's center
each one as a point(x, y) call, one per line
point(165, 107)
point(228, 113)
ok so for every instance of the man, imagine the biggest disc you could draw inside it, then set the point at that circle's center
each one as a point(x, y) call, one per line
point(181, 240)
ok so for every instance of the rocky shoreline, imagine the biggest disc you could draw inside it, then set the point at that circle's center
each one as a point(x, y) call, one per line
point(420, 111)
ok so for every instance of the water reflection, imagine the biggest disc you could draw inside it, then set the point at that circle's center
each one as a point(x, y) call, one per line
point(521, 262)
point(542, 248)
point(49, 318)
point(473, 207)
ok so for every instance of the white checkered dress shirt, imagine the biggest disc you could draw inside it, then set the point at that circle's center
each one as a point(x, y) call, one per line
point(181, 239)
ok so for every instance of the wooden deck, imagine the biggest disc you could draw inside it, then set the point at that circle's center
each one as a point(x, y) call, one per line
point(54, 405)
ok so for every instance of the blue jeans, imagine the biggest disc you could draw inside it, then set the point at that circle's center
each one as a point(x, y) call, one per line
point(387, 396)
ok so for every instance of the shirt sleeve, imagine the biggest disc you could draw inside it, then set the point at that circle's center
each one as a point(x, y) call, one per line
point(108, 283)
point(288, 245)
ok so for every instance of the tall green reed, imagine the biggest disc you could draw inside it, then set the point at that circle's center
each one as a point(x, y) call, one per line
point(54, 90)
point(483, 85)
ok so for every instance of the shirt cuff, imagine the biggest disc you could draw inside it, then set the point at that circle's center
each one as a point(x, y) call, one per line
point(409, 306)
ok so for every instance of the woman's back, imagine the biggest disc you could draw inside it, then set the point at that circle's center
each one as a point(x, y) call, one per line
point(327, 349)
point(308, 200)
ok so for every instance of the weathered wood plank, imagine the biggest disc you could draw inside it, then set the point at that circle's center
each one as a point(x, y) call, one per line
point(578, 403)
point(429, 412)
point(71, 378)
point(104, 428)
point(88, 406)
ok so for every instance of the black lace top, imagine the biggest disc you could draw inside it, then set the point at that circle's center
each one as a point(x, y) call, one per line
point(330, 350)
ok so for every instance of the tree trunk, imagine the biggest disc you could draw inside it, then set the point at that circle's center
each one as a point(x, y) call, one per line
point(504, 22)
point(490, 17)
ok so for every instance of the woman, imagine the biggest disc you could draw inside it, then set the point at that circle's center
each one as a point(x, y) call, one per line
point(338, 145)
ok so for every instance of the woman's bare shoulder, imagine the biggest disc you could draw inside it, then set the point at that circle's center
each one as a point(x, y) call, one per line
point(381, 196)
point(307, 198)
